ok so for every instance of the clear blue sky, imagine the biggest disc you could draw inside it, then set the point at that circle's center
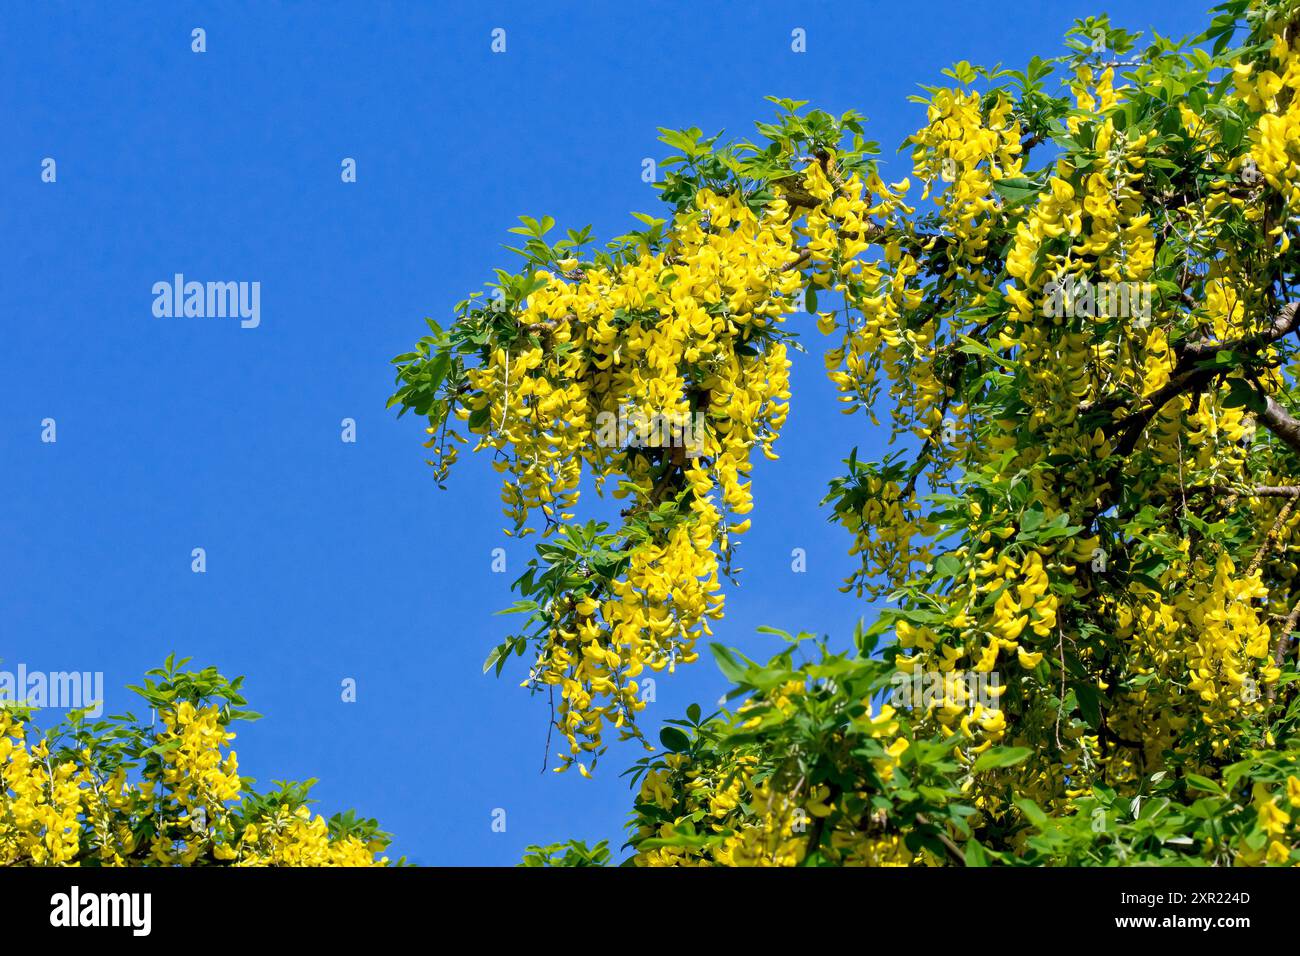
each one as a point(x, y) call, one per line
point(329, 560)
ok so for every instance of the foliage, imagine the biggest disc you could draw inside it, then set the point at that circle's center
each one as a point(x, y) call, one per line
point(1081, 332)
point(120, 792)
point(572, 853)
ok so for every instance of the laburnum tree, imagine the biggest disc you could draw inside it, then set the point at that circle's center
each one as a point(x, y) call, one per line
point(120, 791)
point(1077, 317)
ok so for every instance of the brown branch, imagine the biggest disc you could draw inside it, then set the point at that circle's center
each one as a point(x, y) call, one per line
point(795, 265)
point(547, 324)
point(1281, 423)
point(952, 849)
point(1189, 375)
point(1273, 533)
point(1258, 491)
point(1280, 648)
point(1284, 323)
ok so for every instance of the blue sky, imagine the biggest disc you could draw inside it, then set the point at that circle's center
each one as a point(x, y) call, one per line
point(328, 560)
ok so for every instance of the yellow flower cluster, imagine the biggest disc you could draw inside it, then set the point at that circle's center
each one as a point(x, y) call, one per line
point(198, 781)
point(1275, 142)
point(682, 336)
point(40, 803)
point(967, 145)
point(298, 839)
point(1277, 829)
point(1210, 634)
point(754, 823)
point(71, 814)
point(749, 820)
point(1005, 606)
point(888, 536)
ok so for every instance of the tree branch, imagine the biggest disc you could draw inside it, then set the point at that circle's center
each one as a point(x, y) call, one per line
point(1281, 423)
point(1258, 491)
point(952, 849)
point(1189, 375)
point(1279, 649)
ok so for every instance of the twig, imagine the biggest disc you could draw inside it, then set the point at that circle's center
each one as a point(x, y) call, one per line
point(1273, 532)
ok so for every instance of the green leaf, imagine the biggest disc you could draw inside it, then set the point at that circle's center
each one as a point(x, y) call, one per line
point(1242, 394)
point(674, 740)
point(1033, 813)
point(727, 663)
point(1016, 191)
point(1197, 782)
point(1033, 518)
point(496, 655)
point(1001, 757)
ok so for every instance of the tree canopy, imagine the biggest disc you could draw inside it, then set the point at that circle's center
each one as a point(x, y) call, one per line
point(117, 791)
point(1076, 320)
